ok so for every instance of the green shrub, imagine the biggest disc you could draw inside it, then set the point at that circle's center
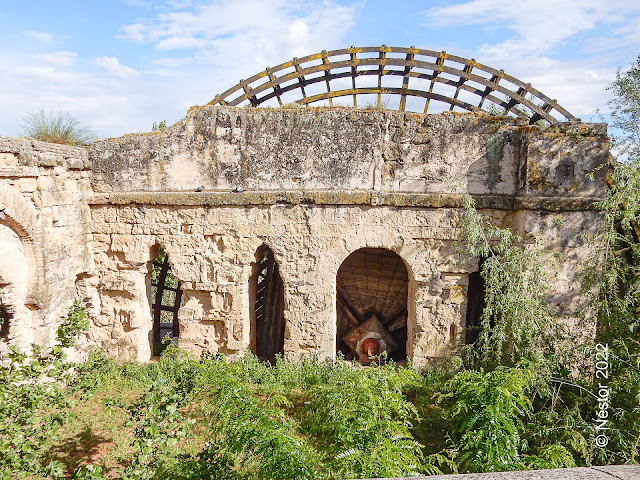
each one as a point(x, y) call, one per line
point(159, 127)
point(488, 409)
point(158, 426)
point(34, 404)
point(363, 420)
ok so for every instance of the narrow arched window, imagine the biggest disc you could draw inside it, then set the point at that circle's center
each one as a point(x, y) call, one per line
point(475, 305)
point(268, 305)
point(166, 299)
point(5, 323)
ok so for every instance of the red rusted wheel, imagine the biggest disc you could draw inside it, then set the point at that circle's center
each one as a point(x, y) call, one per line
point(371, 346)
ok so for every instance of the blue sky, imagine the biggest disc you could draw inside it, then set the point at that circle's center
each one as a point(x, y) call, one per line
point(119, 66)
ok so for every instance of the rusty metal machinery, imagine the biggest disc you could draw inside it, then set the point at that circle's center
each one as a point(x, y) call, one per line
point(426, 75)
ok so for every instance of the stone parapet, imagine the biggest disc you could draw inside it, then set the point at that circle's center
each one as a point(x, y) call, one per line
point(609, 472)
point(345, 149)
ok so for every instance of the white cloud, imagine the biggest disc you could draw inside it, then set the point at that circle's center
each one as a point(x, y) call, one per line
point(115, 68)
point(135, 32)
point(625, 35)
point(31, 84)
point(40, 36)
point(539, 25)
point(57, 59)
point(216, 43)
point(537, 31)
point(173, 62)
point(138, 3)
point(220, 27)
point(576, 86)
point(210, 46)
point(166, 72)
point(180, 42)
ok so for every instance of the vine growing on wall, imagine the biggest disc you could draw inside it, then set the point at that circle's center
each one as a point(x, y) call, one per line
point(516, 322)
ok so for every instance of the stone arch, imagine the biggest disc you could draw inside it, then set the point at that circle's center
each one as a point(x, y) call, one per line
point(423, 331)
point(266, 300)
point(372, 296)
point(17, 321)
point(20, 216)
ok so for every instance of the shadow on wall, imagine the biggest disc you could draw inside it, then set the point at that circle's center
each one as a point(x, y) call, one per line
point(475, 305)
point(5, 322)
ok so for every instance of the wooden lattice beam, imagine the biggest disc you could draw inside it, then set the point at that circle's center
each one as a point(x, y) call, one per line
point(479, 82)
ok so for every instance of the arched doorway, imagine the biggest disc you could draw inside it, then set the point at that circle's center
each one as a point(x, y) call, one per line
point(372, 290)
point(267, 296)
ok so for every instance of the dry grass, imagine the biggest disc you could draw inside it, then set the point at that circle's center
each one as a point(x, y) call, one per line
point(61, 127)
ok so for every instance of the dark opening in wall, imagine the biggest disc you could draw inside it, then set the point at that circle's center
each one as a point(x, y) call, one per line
point(372, 289)
point(5, 323)
point(268, 305)
point(166, 299)
point(475, 306)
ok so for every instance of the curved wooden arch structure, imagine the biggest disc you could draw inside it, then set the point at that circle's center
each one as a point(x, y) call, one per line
point(449, 79)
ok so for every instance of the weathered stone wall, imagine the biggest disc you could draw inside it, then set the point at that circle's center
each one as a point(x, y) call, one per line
point(314, 185)
point(44, 217)
point(212, 249)
point(342, 149)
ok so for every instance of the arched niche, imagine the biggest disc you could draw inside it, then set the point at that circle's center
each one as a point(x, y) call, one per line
point(266, 293)
point(16, 318)
point(20, 216)
point(165, 296)
point(372, 305)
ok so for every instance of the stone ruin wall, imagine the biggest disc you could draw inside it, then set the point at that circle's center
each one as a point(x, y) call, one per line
point(314, 185)
point(44, 235)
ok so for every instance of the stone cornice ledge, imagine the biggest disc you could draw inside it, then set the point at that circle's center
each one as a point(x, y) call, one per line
point(334, 197)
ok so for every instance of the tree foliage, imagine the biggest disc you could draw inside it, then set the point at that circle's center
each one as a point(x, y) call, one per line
point(625, 110)
point(614, 277)
point(516, 321)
